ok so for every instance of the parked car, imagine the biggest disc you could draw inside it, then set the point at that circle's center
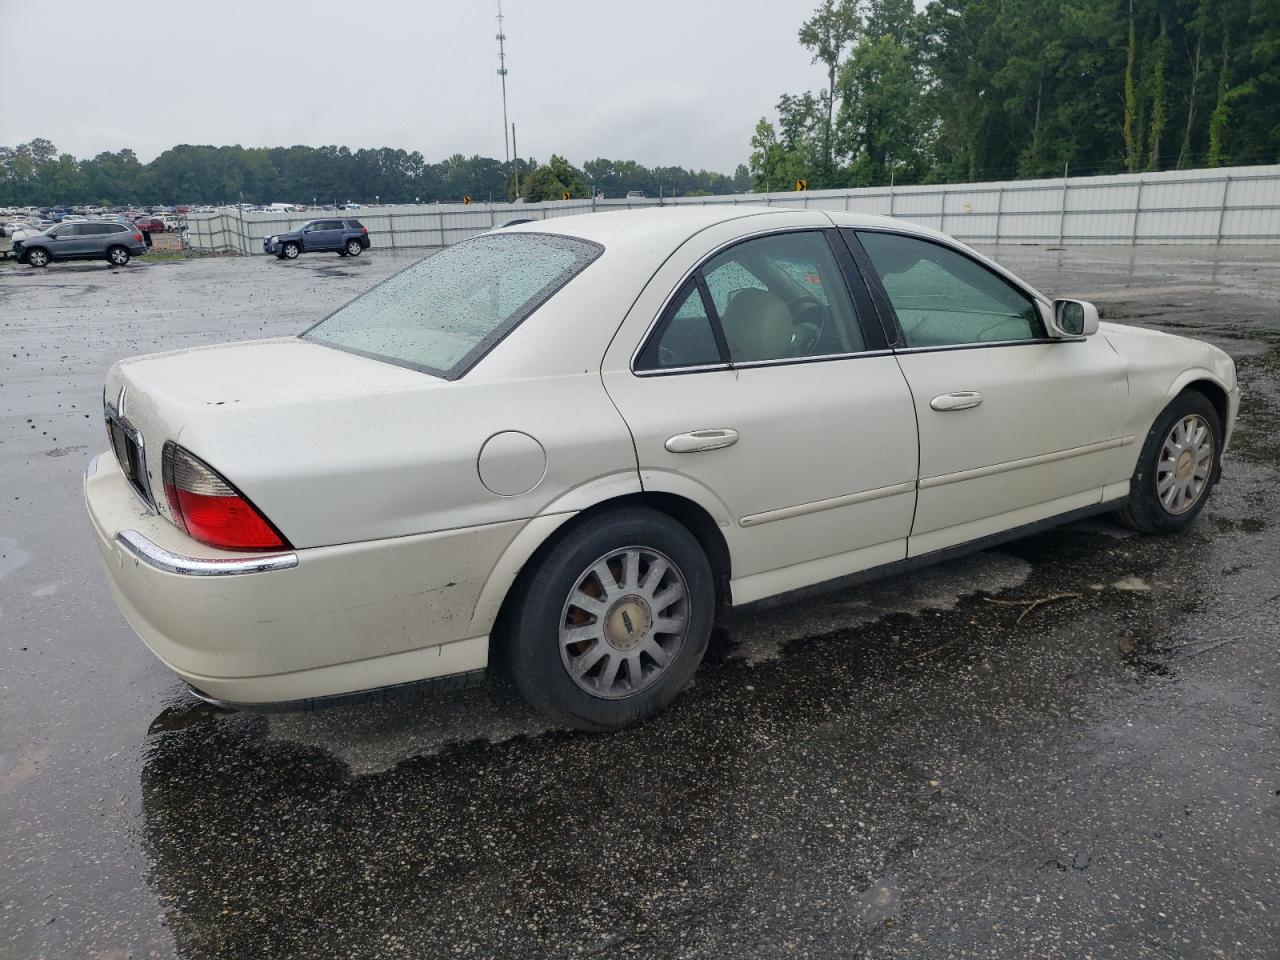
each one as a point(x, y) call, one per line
point(568, 445)
point(349, 238)
point(81, 240)
point(11, 231)
point(151, 224)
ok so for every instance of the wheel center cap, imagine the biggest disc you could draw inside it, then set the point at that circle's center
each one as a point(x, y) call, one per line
point(1186, 460)
point(627, 622)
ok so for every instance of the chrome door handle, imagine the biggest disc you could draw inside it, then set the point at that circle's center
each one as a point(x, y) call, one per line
point(960, 400)
point(697, 440)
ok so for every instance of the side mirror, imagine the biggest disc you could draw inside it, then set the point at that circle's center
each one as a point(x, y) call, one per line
point(1075, 318)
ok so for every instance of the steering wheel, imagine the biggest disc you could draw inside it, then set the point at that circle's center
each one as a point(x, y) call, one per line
point(810, 317)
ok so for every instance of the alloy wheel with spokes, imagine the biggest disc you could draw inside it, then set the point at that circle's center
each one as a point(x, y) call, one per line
point(37, 258)
point(624, 622)
point(1177, 466)
point(118, 256)
point(609, 621)
point(1186, 463)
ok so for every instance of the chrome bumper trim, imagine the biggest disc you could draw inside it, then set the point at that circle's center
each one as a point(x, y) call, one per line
point(161, 559)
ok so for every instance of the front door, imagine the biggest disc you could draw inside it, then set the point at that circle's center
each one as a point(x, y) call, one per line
point(1015, 426)
point(765, 394)
point(67, 242)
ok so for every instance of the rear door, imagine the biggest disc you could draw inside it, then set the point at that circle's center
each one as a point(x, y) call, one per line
point(764, 391)
point(1015, 426)
point(331, 235)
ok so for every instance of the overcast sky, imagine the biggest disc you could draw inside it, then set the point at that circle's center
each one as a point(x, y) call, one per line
point(657, 81)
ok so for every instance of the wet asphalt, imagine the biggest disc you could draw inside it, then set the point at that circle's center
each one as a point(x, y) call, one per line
point(899, 770)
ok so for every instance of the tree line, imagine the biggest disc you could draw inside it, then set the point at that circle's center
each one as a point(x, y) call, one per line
point(971, 90)
point(37, 174)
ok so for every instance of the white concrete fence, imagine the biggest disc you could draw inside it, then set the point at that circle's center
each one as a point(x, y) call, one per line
point(1223, 205)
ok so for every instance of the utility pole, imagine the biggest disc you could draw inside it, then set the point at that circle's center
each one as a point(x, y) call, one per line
point(502, 72)
point(515, 158)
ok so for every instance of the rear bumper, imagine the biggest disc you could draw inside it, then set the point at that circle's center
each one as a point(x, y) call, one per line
point(294, 625)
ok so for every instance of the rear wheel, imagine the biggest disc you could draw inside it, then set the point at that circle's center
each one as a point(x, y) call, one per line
point(353, 248)
point(1177, 467)
point(118, 256)
point(290, 251)
point(37, 258)
point(610, 624)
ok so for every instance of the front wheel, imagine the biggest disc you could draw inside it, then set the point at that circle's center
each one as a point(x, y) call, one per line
point(611, 622)
point(290, 251)
point(353, 248)
point(37, 258)
point(118, 256)
point(1177, 467)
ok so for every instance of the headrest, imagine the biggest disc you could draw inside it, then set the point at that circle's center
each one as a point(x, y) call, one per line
point(758, 326)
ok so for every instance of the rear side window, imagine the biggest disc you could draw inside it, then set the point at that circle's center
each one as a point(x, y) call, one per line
point(684, 336)
point(444, 313)
point(782, 297)
point(354, 225)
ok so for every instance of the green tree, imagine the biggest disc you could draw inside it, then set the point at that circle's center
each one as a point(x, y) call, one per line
point(833, 26)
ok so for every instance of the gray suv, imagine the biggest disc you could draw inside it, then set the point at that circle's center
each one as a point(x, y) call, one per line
point(96, 240)
point(346, 237)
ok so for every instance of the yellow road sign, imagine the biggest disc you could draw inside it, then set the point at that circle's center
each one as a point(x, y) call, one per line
point(802, 184)
point(466, 199)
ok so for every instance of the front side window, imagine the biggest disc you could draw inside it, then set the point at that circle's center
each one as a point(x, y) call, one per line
point(943, 298)
point(782, 297)
point(444, 313)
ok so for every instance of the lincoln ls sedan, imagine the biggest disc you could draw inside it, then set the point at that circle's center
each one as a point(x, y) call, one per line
point(567, 446)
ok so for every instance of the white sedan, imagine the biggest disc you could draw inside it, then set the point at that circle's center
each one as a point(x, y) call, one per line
point(572, 443)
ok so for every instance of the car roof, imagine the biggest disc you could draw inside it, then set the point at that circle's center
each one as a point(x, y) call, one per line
point(673, 224)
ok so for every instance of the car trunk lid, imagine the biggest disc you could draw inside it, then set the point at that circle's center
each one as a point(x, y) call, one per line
point(150, 400)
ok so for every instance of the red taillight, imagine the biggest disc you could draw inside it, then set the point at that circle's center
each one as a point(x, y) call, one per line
point(364, 229)
point(210, 509)
point(137, 237)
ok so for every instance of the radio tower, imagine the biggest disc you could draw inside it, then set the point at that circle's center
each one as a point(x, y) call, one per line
point(502, 72)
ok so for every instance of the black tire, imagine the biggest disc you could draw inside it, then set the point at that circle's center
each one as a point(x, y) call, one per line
point(290, 251)
point(353, 248)
point(1146, 511)
point(529, 643)
point(117, 256)
point(38, 257)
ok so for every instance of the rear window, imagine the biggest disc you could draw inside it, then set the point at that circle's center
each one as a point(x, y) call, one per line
point(354, 225)
point(443, 314)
